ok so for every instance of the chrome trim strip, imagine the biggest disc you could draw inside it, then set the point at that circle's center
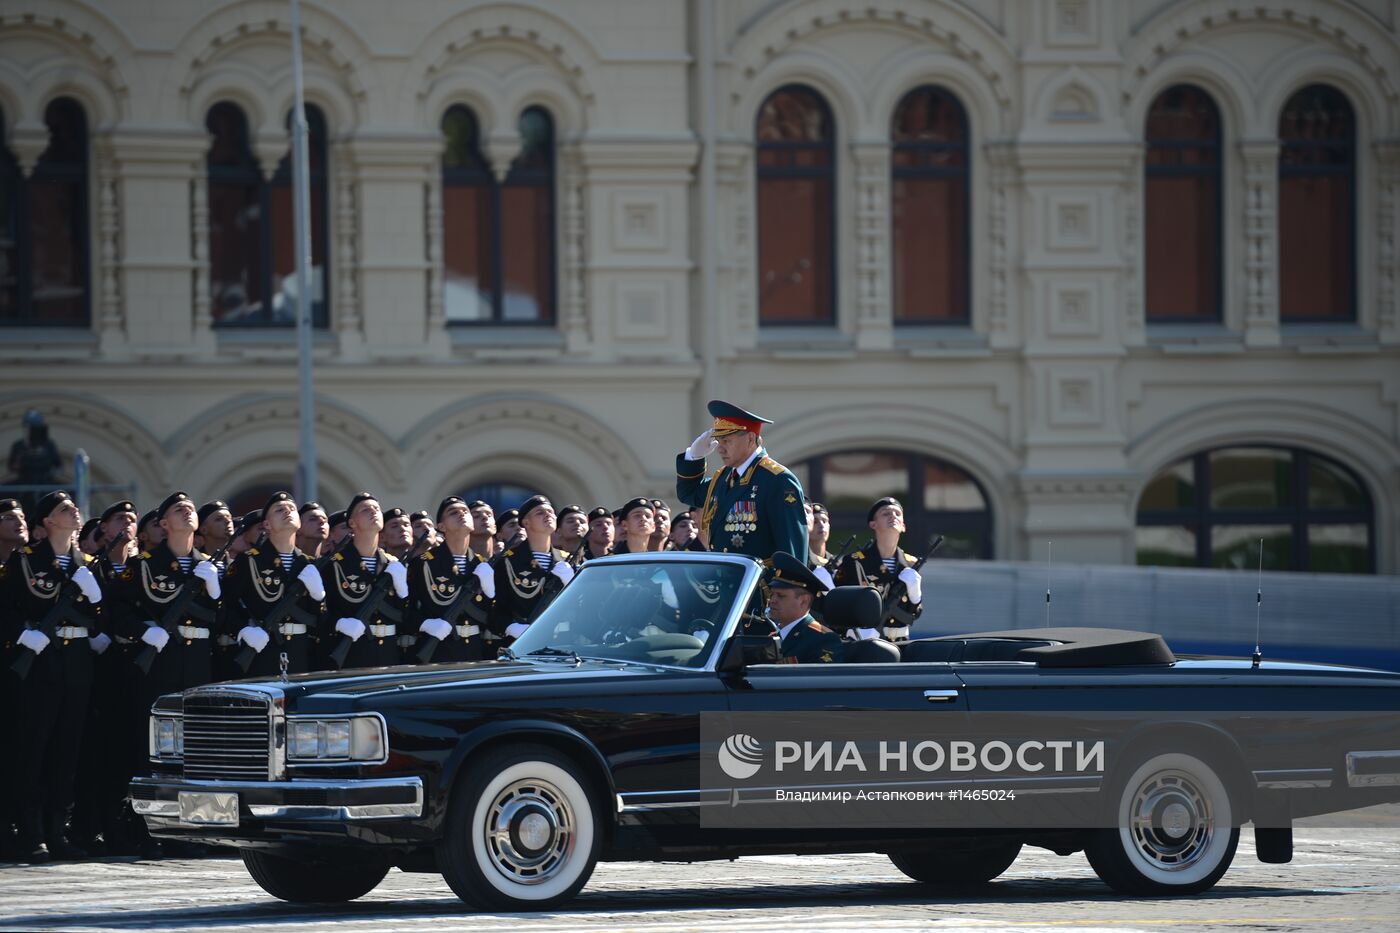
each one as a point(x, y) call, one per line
point(727, 797)
point(316, 812)
point(941, 696)
point(1374, 778)
point(1293, 778)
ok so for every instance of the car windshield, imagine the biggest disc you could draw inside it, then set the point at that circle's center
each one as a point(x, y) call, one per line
point(667, 612)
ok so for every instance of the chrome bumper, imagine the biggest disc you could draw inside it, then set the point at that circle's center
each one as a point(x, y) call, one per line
point(303, 801)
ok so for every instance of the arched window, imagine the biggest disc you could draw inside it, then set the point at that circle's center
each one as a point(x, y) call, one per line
point(1317, 207)
point(44, 278)
point(501, 495)
point(252, 241)
point(1211, 510)
point(796, 168)
point(938, 498)
point(498, 239)
point(929, 206)
point(1183, 212)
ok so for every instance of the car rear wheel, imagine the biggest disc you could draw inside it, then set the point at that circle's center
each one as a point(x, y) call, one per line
point(1175, 829)
point(957, 867)
point(521, 832)
point(301, 882)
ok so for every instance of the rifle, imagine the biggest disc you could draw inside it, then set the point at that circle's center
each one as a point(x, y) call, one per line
point(59, 613)
point(551, 587)
point(284, 609)
point(373, 603)
point(465, 603)
point(892, 606)
point(183, 605)
point(834, 564)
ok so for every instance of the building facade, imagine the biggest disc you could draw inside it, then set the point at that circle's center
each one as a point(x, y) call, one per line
point(1120, 275)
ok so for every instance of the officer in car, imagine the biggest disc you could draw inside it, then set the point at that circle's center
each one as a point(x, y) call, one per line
point(792, 587)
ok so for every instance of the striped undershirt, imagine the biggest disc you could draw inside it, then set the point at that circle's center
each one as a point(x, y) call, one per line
point(544, 558)
point(286, 560)
point(370, 563)
point(461, 561)
point(186, 563)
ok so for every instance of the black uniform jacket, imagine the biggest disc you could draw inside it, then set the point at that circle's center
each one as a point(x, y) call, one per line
point(433, 585)
point(810, 642)
point(150, 583)
point(30, 584)
point(864, 568)
point(520, 581)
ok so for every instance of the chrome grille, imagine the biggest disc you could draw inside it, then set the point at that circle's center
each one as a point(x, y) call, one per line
point(227, 736)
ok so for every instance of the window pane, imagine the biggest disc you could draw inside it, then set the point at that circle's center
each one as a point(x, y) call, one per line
point(1339, 549)
point(527, 253)
point(1251, 478)
point(1172, 488)
point(949, 489)
point(930, 249)
point(1183, 247)
point(855, 480)
point(56, 214)
point(1236, 547)
point(930, 115)
point(1166, 545)
point(461, 150)
point(795, 250)
point(1317, 209)
point(283, 235)
point(792, 115)
point(235, 251)
point(466, 244)
point(1331, 487)
point(9, 231)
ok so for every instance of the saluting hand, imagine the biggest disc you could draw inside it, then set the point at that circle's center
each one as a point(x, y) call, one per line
point(702, 446)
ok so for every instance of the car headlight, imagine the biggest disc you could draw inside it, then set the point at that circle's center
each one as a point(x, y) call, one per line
point(167, 737)
point(360, 738)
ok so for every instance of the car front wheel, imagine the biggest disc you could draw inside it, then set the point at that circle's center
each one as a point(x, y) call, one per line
point(521, 831)
point(1175, 829)
point(303, 881)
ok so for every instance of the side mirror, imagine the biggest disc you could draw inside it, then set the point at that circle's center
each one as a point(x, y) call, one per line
point(743, 651)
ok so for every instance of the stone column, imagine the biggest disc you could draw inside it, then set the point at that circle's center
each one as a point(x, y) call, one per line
point(1261, 320)
point(874, 324)
point(1387, 220)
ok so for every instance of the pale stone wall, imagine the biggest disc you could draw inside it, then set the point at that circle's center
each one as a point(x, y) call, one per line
point(1058, 397)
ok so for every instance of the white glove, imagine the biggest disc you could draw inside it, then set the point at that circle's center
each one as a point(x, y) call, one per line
point(668, 594)
point(311, 579)
point(913, 583)
point(399, 573)
point(863, 634)
point(210, 575)
point(487, 575)
point(100, 642)
point(88, 584)
point(516, 629)
point(353, 628)
point(824, 575)
point(563, 571)
point(155, 636)
point(436, 628)
point(254, 637)
point(33, 639)
point(701, 447)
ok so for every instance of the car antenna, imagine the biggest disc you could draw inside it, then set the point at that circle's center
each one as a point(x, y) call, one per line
point(1048, 546)
point(1258, 605)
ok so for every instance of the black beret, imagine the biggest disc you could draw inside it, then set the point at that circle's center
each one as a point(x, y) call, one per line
point(357, 499)
point(442, 506)
point(509, 515)
point(309, 507)
point(169, 503)
point(277, 498)
point(88, 527)
point(880, 504)
point(818, 507)
point(421, 513)
point(45, 506)
point(209, 508)
point(641, 502)
point(249, 519)
point(393, 514)
point(791, 572)
point(9, 505)
point(532, 503)
point(145, 520)
point(570, 509)
point(659, 504)
point(599, 512)
point(480, 504)
point(116, 508)
point(336, 518)
point(683, 517)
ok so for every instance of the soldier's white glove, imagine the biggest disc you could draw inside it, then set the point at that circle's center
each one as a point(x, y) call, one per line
point(824, 575)
point(487, 575)
point(563, 571)
point(350, 628)
point(863, 634)
point(668, 594)
point(310, 578)
point(155, 636)
point(254, 637)
point(913, 584)
point(88, 584)
point(399, 574)
point(210, 575)
point(33, 639)
point(100, 642)
point(436, 628)
point(702, 446)
point(516, 629)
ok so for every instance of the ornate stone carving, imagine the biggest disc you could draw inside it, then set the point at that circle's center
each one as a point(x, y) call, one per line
point(874, 313)
point(1001, 177)
point(346, 307)
point(1387, 204)
point(573, 310)
point(1261, 242)
point(109, 322)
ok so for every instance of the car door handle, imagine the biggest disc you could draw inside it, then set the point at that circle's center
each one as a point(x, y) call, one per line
point(941, 696)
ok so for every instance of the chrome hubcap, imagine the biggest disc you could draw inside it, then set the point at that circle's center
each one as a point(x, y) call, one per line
point(530, 831)
point(1171, 820)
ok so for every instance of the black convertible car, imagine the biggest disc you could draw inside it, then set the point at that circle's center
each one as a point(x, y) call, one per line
point(513, 778)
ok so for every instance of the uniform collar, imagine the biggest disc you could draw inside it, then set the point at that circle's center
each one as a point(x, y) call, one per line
point(744, 467)
point(787, 629)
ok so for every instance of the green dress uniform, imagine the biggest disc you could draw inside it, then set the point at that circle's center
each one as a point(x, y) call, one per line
point(810, 642)
point(757, 512)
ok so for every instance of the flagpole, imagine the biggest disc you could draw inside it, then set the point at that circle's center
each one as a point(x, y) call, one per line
point(301, 221)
